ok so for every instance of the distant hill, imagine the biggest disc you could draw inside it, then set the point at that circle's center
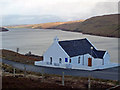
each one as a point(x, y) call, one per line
point(3, 29)
point(106, 25)
point(43, 25)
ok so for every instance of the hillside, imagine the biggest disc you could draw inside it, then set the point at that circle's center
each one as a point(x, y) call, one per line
point(43, 25)
point(106, 25)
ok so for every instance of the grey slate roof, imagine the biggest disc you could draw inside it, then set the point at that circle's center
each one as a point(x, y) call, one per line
point(80, 47)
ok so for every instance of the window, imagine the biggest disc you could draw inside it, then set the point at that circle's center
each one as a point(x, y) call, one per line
point(70, 61)
point(103, 62)
point(50, 60)
point(78, 60)
point(60, 60)
point(66, 60)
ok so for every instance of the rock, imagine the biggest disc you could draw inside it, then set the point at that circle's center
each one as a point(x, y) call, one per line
point(3, 29)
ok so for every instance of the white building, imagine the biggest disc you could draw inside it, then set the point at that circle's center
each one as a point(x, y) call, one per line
point(74, 54)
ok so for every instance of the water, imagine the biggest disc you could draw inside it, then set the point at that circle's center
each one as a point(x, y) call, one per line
point(38, 40)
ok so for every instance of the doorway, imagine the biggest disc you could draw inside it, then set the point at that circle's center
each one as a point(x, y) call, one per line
point(90, 62)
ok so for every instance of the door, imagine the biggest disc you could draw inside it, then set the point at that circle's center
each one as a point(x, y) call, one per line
point(89, 61)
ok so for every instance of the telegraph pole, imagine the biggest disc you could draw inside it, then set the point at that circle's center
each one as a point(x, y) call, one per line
point(89, 79)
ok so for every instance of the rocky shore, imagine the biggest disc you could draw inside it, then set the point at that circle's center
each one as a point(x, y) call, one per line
point(3, 29)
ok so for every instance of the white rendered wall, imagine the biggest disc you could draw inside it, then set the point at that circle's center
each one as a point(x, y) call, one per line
point(106, 58)
point(55, 51)
point(74, 60)
point(86, 56)
point(82, 57)
point(95, 61)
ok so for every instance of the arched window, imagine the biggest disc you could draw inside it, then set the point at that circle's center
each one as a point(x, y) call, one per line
point(78, 60)
point(50, 60)
point(60, 60)
point(70, 61)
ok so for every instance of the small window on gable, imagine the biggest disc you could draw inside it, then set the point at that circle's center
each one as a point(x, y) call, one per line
point(60, 60)
point(66, 59)
point(78, 60)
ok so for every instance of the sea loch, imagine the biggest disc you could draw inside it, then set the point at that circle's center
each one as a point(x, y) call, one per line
point(38, 40)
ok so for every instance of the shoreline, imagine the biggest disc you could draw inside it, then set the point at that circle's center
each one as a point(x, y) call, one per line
point(71, 31)
point(83, 33)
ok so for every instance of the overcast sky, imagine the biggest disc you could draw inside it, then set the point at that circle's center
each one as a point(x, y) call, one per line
point(54, 10)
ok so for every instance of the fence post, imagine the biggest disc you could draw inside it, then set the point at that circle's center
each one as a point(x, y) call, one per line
point(63, 78)
point(17, 50)
point(42, 75)
point(24, 71)
point(14, 72)
point(89, 83)
point(89, 80)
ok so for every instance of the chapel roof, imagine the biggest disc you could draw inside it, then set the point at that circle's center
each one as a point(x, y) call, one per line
point(80, 47)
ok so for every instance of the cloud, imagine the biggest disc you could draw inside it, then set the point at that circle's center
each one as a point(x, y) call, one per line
point(65, 10)
point(102, 8)
point(29, 19)
point(41, 7)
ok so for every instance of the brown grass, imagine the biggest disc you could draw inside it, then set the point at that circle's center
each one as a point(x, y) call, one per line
point(34, 80)
point(11, 55)
point(50, 82)
point(10, 82)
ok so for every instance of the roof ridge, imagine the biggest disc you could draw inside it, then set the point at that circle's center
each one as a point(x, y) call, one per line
point(74, 39)
point(101, 50)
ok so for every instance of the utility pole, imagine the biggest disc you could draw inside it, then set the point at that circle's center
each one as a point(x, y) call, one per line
point(63, 78)
point(89, 79)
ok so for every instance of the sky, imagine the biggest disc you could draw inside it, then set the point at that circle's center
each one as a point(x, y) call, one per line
point(42, 11)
